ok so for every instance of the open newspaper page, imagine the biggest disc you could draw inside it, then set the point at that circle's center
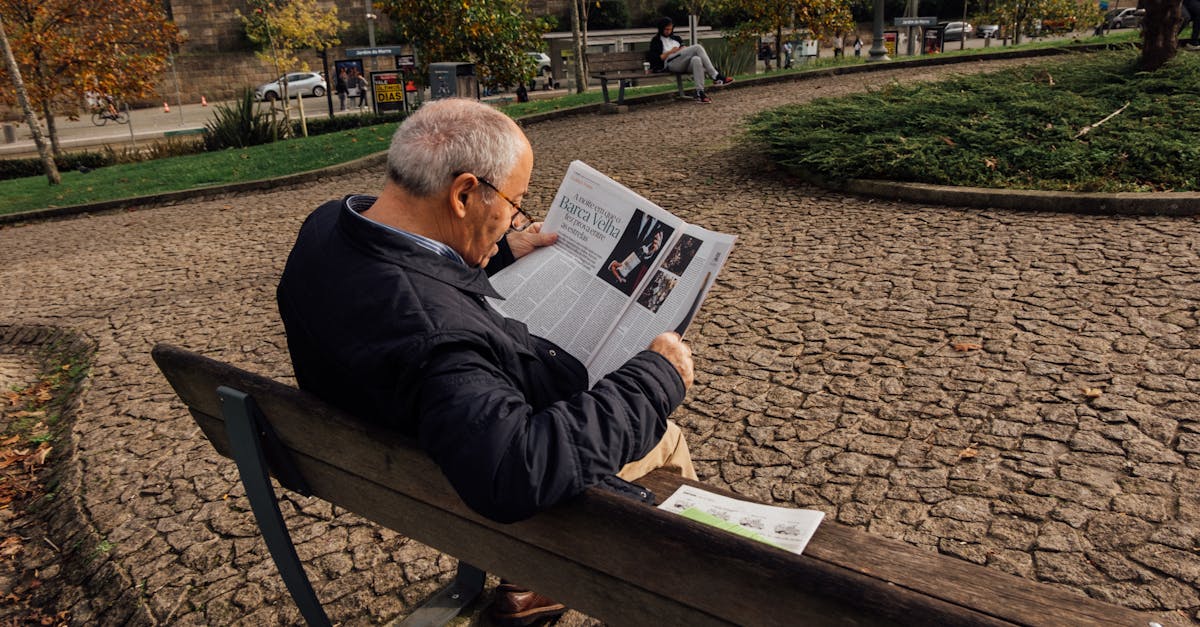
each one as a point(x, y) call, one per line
point(783, 527)
point(610, 243)
point(668, 300)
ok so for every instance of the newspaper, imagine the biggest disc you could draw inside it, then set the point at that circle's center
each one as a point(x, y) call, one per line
point(622, 271)
point(782, 527)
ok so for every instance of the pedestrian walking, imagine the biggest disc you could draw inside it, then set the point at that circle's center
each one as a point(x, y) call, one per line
point(340, 88)
point(361, 84)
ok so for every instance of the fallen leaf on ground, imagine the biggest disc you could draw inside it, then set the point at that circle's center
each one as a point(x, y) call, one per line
point(39, 457)
point(963, 347)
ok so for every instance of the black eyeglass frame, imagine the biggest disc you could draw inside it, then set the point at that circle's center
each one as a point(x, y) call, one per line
point(519, 215)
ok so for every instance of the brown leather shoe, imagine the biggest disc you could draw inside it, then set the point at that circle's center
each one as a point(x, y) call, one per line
point(517, 606)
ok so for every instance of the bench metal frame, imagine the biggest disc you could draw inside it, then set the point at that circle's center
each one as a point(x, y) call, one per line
point(258, 453)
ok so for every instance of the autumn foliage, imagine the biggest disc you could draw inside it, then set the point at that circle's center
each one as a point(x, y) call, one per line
point(67, 47)
point(494, 35)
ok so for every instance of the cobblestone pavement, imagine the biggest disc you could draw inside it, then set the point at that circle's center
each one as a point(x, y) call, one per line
point(827, 372)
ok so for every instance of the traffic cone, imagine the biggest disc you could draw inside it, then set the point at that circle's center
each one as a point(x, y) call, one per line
point(203, 101)
point(166, 107)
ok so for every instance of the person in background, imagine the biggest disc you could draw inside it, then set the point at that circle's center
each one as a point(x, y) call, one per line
point(1191, 13)
point(668, 53)
point(340, 88)
point(361, 83)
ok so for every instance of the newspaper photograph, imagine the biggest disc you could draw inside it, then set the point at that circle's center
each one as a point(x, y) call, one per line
point(781, 527)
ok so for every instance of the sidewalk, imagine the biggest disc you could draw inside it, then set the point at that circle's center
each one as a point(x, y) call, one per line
point(149, 125)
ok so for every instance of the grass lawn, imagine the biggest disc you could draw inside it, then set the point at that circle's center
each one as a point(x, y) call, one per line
point(1082, 123)
point(192, 171)
point(297, 155)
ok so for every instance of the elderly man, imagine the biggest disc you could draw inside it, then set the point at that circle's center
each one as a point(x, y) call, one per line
point(383, 301)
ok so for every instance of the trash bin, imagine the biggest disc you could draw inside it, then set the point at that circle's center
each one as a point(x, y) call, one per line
point(10, 134)
point(453, 80)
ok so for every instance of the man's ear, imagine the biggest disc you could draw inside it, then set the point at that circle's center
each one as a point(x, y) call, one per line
point(460, 193)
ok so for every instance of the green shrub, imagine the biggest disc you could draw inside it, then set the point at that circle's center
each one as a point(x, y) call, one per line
point(322, 125)
point(1020, 128)
point(243, 124)
point(32, 166)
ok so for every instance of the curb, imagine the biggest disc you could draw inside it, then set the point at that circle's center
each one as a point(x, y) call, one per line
point(170, 198)
point(1182, 203)
point(111, 594)
point(1119, 203)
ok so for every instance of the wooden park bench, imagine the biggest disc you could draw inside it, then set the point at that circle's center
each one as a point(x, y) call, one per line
point(625, 68)
point(614, 558)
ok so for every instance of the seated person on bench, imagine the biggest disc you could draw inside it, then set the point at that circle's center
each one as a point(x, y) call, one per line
point(668, 52)
point(383, 302)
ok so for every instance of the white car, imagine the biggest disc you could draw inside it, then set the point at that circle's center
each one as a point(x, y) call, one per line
point(956, 31)
point(298, 84)
point(543, 62)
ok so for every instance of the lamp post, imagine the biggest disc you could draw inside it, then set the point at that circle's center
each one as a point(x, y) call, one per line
point(371, 17)
point(878, 52)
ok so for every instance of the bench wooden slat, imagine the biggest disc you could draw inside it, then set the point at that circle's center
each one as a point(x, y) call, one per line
point(622, 561)
point(625, 67)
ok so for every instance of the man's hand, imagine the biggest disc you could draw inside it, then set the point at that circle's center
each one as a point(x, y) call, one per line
point(671, 346)
point(524, 242)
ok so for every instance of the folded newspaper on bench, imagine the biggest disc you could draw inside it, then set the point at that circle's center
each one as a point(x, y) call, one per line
point(623, 271)
point(782, 527)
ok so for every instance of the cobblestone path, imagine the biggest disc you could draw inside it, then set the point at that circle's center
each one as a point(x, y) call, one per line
point(827, 372)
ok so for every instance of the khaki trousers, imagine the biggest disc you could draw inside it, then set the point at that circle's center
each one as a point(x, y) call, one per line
point(671, 453)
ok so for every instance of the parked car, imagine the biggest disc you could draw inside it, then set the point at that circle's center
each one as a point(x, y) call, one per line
point(542, 60)
point(1128, 17)
point(298, 84)
point(955, 31)
point(988, 30)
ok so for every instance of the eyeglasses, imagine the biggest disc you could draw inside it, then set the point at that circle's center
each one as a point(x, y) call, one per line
point(520, 220)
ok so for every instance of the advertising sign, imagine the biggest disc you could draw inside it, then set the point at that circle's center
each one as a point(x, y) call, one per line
point(406, 62)
point(388, 89)
point(915, 21)
point(933, 40)
point(890, 37)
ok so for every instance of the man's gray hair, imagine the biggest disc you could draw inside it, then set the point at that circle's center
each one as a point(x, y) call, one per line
point(450, 136)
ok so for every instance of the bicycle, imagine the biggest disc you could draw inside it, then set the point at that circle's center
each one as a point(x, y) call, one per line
point(101, 115)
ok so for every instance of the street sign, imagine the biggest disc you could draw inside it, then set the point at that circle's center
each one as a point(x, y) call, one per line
point(381, 51)
point(915, 21)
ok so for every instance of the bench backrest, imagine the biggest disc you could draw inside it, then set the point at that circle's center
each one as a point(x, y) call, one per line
point(621, 561)
point(615, 61)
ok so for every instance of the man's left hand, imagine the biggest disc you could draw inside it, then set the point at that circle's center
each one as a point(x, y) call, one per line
point(524, 242)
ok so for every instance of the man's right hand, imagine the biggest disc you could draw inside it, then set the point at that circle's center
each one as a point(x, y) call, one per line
point(671, 346)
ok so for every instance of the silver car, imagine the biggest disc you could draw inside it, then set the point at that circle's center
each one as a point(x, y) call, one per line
point(955, 31)
point(298, 84)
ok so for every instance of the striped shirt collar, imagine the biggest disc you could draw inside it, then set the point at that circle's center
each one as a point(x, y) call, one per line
point(359, 203)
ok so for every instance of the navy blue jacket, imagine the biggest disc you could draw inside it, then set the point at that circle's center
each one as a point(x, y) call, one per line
point(398, 335)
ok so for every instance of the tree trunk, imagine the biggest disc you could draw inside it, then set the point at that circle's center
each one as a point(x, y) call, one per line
point(577, 43)
point(23, 97)
point(583, 37)
point(1160, 39)
point(51, 130)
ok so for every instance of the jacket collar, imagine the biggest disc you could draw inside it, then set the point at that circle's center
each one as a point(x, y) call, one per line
point(376, 241)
